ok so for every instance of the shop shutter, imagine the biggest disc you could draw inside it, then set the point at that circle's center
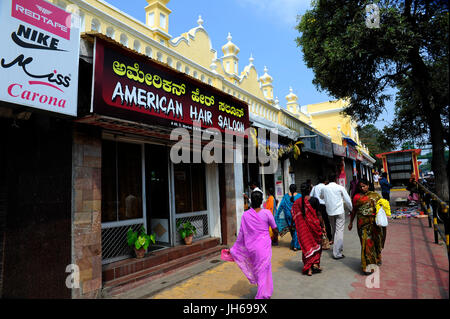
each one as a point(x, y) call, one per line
point(307, 169)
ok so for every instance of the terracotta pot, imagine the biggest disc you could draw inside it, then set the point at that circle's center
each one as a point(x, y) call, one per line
point(188, 240)
point(140, 253)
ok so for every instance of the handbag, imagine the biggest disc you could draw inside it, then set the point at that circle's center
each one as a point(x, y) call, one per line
point(381, 218)
point(325, 241)
point(225, 255)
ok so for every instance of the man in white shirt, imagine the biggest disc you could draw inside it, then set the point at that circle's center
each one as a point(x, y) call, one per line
point(335, 197)
point(254, 187)
point(376, 179)
point(315, 192)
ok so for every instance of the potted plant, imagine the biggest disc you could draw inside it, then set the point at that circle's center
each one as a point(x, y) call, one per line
point(139, 241)
point(186, 231)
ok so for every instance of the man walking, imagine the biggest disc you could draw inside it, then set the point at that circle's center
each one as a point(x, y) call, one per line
point(322, 208)
point(254, 187)
point(385, 187)
point(376, 180)
point(335, 197)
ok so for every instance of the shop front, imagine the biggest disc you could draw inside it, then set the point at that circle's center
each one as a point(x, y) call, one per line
point(339, 154)
point(275, 172)
point(158, 137)
point(316, 158)
point(38, 101)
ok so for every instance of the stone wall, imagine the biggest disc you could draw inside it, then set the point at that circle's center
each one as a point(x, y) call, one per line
point(86, 211)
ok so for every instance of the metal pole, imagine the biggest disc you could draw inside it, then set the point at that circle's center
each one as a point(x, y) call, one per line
point(429, 214)
point(435, 223)
point(444, 209)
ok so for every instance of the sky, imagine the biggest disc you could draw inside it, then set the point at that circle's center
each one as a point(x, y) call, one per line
point(264, 29)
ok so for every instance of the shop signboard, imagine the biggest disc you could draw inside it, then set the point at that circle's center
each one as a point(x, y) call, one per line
point(339, 150)
point(39, 56)
point(342, 179)
point(326, 145)
point(133, 87)
point(279, 192)
point(359, 157)
point(352, 152)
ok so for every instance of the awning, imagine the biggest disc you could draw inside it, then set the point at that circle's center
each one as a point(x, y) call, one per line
point(261, 122)
point(350, 141)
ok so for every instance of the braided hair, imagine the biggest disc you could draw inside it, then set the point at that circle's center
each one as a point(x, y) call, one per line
point(305, 189)
point(292, 189)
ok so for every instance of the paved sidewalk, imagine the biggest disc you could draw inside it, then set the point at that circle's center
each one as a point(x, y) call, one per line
point(414, 267)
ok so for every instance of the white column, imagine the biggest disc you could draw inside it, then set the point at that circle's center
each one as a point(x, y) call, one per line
point(279, 175)
point(213, 199)
point(239, 187)
point(287, 177)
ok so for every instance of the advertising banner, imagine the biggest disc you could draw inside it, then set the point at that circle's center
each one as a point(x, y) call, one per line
point(352, 152)
point(39, 56)
point(342, 179)
point(135, 88)
point(339, 150)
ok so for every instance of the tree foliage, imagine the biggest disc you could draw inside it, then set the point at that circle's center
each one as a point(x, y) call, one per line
point(376, 141)
point(408, 52)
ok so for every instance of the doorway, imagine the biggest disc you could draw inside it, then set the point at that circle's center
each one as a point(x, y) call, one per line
point(157, 187)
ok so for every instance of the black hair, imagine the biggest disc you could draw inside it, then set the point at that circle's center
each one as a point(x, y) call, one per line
point(305, 189)
point(321, 179)
point(292, 189)
point(362, 181)
point(271, 191)
point(256, 198)
point(254, 183)
point(332, 177)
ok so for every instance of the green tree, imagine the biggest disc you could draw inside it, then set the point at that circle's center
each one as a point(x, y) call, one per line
point(409, 145)
point(376, 141)
point(407, 51)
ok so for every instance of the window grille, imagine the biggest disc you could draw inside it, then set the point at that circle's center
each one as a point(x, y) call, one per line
point(200, 222)
point(114, 243)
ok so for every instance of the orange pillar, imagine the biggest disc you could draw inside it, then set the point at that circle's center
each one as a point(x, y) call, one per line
point(415, 166)
point(385, 167)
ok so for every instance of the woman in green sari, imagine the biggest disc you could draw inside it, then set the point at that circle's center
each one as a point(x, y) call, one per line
point(372, 236)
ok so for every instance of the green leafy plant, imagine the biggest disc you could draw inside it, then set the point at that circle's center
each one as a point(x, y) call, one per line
point(185, 229)
point(139, 239)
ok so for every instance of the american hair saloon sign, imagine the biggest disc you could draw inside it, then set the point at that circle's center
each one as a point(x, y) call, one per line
point(133, 87)
point(38, 56)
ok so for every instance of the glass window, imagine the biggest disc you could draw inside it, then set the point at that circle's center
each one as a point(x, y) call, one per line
point(162, 20)
point(121, 181)
point(190, 188)
point(151, 19)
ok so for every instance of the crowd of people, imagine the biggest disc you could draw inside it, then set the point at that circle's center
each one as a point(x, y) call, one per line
point(315, 219)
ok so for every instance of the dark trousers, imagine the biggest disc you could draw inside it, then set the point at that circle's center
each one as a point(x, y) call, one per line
point(386, 196)
point(326, 221)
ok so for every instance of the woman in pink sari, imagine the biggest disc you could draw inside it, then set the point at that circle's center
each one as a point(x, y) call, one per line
point(309, 227)
point(252, 251)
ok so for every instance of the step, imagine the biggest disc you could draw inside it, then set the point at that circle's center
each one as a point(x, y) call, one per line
point(126, 283)
point(132, 265)
point(159, 262)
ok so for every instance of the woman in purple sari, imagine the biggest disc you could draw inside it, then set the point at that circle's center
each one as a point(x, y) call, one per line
point(252, 251)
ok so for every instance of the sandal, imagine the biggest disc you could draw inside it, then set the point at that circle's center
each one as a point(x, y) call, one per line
point(316, 270)
point(309, 273)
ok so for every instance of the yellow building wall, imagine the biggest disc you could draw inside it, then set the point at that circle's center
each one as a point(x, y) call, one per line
point(193, 50)
point(195, 46)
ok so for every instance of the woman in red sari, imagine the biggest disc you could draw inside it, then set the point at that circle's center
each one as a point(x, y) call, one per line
point(309, 226)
